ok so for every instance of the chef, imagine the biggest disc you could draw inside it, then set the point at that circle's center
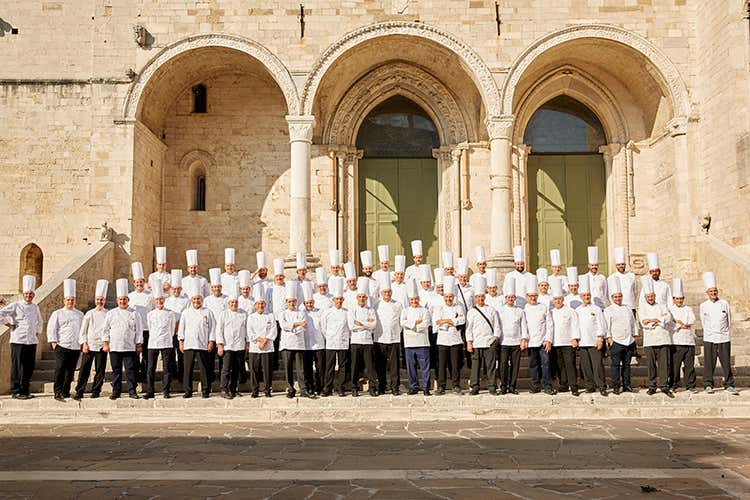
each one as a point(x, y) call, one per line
point(626, 278)
point(446, 318)
point(416, 322)
point(197, 335)
point(387, 338)
point(321, 297)
point(122, 338)
point(591, 344)
point(229, 276)
point(541, 331)
point(621, 331)
point(565, 338)
point(216, 302)
point(162, 327)
point(683, 340)
point(716, 318)
point(140, 301)
point(556, 268)
point(398, 287)
point(315, 344)
point(176, 304)
point(231, 343)
point(261, 332)
point(191, 256)
point(413, 270)
point(334, 323)
point(483, 334)
point(655, 319)
point(572, 299)
point(515, 336)
point(481, 262)
point(293, 323)
point(63, 328)
point(662, 291)
point(161, 273)
point(90, 339)
point(597, 281)
point(383, 262)
point(362, 321)
point(519, 261)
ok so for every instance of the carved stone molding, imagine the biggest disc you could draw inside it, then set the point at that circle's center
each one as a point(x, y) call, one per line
point(677, 126)
point(300, 128)
point(499, 127)
point(476, 67)
point(273, 64)
point(667, 71)
point(197, 155)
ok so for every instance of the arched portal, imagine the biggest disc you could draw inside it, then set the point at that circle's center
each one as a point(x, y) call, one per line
point(566, 183)
point(31, 262)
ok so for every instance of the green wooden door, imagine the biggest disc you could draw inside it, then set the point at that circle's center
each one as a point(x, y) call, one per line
point(567, 208)
point(398, 204)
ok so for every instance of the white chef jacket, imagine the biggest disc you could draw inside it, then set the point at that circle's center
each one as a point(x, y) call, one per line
point(545, 299)
point(519, 277)
point(388, 328)
point(231, 330)
point(300, 294)
point(278, 301)
point(416, 335)
point(655, 335)
point(473, 277)
point(572, 301)
point(478, 329)
point(314, 339)
point(92, 329)
point(426, 297)
point(379, 272)
point(627, 286)
point(563, 282)
point(63, 327)
point(448, 335)
point(591, 324)
point(247, 304)
point(663, 294)
point(323, 302)
point(513, 322)
point(599, 289)
point(465, 296)
point(412, 272)
point(369, 319)
point(197, 328)
point(261, 326)
point(205, 288)
point(620, 324)
point(565, 321)
point(495, 302)
point(27, 319)
point(292, 337)
point(334, 324)
point(122, 329)
point(159, 276)
point(142, 303)
point(228, 280)
point(162, 327)
point(216, 305)
point(176, 305)
point(716, 318)
point(682, 336)
point(539, 323)
point(398, 293)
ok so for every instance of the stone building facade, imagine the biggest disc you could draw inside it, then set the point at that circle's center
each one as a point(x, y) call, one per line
point(98, 122)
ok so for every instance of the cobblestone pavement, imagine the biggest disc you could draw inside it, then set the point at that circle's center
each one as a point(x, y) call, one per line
point(460, 459)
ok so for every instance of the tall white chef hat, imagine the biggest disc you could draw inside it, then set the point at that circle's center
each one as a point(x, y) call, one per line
point(157, 290)
point(192, 257)
point(521, 286)
point(449, 285)
point(479, 254)
point(677, 291)
point(532, 285)
point(301, 260)
point(620, 255)
point(709, 280)
point(350, 271)
point(321, 276)
point(593, 255)
point(307, 290)
point(554, 257)
point(137, 269)
point(416, 248)
point(555, 285)
point(363, 286)
point(462, 266)
point(542, 275)
point(518, 254)
point(103, 285)
point(232, 291)
point(244, 278)
point(260, 260)
point(383, 253)
point(425, 273)
point(439, 274)
point(28, 283)
point(161, 255)
point(584, 284)
point(491, 275)
point(334, 257)
point(572, 273)
point(291, 290)
point(365, 258)
point(278, 266)
point(509, 285)
point(229, 255)
point(257, 292)
point(412, 290)
point(447, 259)
point(384, 281)
point(614, 285)
point(480, 284)
point(647, 284)
point(337, 286)
point(195, 289)
point(69, 288)
point(121, 286)
point(214, 275)
point(175, 279)
point(653, 260)
point(400, 263)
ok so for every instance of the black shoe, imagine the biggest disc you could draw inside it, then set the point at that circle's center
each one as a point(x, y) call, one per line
point(148, 395)
point(550, 391)
point(627, 389)
point(412, 392)
point(205, 395)
point(187, 395)
point(237, 394)
point(440, 391)
point(503, 391)
point(114, 396)
point(305, 394)
point(325, 394)
point(66, 395)
point(254, 394)
point(60, 398)
point(474, 392)
point(355, 393)
point(426, 392)
point(78, 396)
point(603, 392)
point(267, 394)
point(134, 395)
point(575, 392)
point(342, 394)
point(563, 389)
point(28, 396)
point(226, 395)
point(290, 394)
point(396, 392)
point(94, 395)
point(513, 391)
point(616, 391)
point(535, 390)
point(167, 395)
point(16, 396)
point(668, 393)
point(651, 391)
point(373, 393)
point(457, 390)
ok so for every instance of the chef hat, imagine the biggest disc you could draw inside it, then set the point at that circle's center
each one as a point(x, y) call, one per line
point(521, 286)
point(232, 291)
point(278, 266)
point(334, 256)
point(137, 269)
point(383, 253)
point(291, 290)
point(157, 290)
point(479, 254)
point(350, 271)
point(260, 260)
point(161, 255)
point(229, 255)
point(593, 255)
point(122, 287)
point(462, 266)
point(619, 255)
point(194, 289)
point(244, 278)
point(518, 254)
point(449, 285)
point(572, 273)
point(425, 273)
point(214, 274)
point(103, 285)
point(28, 283)
point(400, 263)
point(307, 290)
point(411, 289)
point(584, 284)
point(509, 286)
point(257, 292)
point(175, 279)
point(69, 288)
point(384, 281)
point(363, 285)
point(301, 260)
point(554, 257)
point(653, 260)
point(416, 248)
point(321, 276)
point(480, 285)
point(647, 284)
point(614, 285)
point(447, 260)
point(336, 285)
point(365, 258)
point(439, 274)
point(677, 288)
point(192, 257)
point(542, 276)
point(709, 280)
point(532, 285)
point(491, 275)
point(555, 285)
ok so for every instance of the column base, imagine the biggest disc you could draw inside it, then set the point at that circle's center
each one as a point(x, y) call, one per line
point(504, 264)
point(290, 263)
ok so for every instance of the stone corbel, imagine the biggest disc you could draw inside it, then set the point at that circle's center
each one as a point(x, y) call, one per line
point(677, 126)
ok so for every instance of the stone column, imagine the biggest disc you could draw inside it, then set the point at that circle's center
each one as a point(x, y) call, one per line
point(521, 207)
point(501, 247)
point(684, 216)
point(300, 139)
point(616, 200)
point(447, 199)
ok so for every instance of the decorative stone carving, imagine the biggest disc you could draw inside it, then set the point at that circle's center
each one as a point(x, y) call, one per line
point(499, 127)
point(273, 64)
point(478, 70)
point(196, 155)
point(107, 234)
point(638, 263)
point(677, 126)
point(300, 128)
point(140, 35)
point(705, 223)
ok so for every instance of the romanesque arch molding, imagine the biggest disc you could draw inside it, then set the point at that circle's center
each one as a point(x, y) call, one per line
point(196, 156)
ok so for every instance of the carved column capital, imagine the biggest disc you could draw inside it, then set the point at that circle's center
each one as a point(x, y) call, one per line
point(300, 128)
point(499, 127)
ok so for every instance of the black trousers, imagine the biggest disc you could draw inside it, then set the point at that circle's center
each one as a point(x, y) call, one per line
point(179, 358)
point(658, 358)
point(22, 363)
point(566, 361)
point(340, 356)
point(65, 367)
point(484, 357)
point(510, 362)
point(168, 369)
point(683, 354)
point(592, 366)
point(449, 358)
point(723, 352)
point(141, 360)
point(361, 355)
point(118, 360)
point(276, 355)
point(294, 363)
point(230, 370)
point(204, 364)
point(432, 336)
point(466, 354)
point(260, 369)
point(387, 360)
point(620, 356)
point(315, 368)
point(99, 360)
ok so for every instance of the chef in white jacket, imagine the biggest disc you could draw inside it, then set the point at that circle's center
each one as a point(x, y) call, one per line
point(626, 278)
point(519, 261)
point(383, 262)
point(63, 328)
point(481, 262)
point(277, 306)
point(216, 302)
point(191, 257)
point(622, 331)
point(593, 334)
point(24, 319)
point(365, 259)
point(572, 299)
point(322, 298)
point(229, 276)
point(555, 266)
point(334, 261)
point(416, 322)
point(655, 321)
point(90, 339)
point(197, 335)
point(597, 281)
point(465, 297)
point(483, 334)
point(350, 291)
point(387, 338)
point(122, 338)
point(662, 292)
point(261, 332)
point(542, 279)
point(514, 338)
point(683, 339)
point(176, 303)
point(417, 258)
point(334, 324)
point(716, 318)
point(315, 344)
point(246, 300)
point(261, 275)
point(565, 338)
point(162, 327)
point(446, 318)
point(231, 343)
point(140, 301)
point(161, 273)
point(398, 287)
point(293, 324)
point(492, 297)
point(541, 330)
point(362, 322)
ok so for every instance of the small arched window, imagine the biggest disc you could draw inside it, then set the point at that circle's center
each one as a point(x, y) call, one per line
point(198, 185)
point(31, 263)
point(200, 99)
